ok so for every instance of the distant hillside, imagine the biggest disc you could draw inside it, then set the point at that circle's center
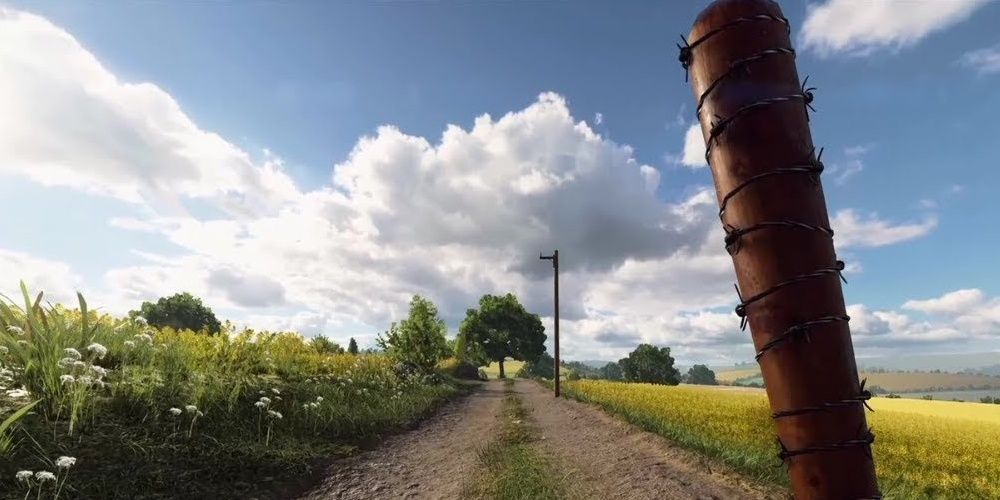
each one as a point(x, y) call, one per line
point(889, 381)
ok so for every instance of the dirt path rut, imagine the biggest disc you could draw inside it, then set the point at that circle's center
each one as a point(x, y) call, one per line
point(430, 462)
point(606, 458)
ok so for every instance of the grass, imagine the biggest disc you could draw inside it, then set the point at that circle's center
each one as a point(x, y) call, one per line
point(513, 467)
point(924, 449)
point(161, 413)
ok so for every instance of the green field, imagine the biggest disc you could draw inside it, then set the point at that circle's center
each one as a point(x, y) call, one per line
point(923, 449)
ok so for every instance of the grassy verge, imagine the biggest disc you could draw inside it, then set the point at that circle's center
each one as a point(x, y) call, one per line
point(513, 467)
point(123, 410)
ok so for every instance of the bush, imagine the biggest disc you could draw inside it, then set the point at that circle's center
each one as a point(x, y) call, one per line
point(181, 311)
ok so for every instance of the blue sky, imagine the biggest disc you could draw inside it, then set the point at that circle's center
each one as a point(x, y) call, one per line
point(237, 169)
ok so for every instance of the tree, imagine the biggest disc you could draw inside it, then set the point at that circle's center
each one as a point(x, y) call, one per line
point(180, 311)
point(418, 340)
point(612, 371)
point(701, 375)
point(502, 328)
point(352, 346)
point(324, 345)
point(542, 367)
point(651, 364)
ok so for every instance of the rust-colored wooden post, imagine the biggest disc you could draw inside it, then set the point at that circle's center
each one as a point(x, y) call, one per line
point(754, 118)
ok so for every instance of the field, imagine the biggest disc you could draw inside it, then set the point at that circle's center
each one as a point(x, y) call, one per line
point(113, 408)
point(924, 449)
point(510, 368)
point(894, 381)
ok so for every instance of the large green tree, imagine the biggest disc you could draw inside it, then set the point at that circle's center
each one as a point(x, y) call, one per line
point(612, 371)
point(324, 345)
point(352, 346)
point(179, 311)
point(502, 328)
point(418, 340)
point(702, 375)
point(651, 364)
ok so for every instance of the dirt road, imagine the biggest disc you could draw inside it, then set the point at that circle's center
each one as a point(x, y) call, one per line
point(601, 457)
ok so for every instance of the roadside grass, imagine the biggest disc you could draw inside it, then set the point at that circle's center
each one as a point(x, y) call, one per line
point(514, 469)
point(157, 413)
point(923, 449)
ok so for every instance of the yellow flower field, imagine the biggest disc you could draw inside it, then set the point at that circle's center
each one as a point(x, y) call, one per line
point(923, 449)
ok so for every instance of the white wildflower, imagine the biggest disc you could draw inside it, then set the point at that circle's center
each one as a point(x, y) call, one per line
point(262, 392)
point(72, 353)
point(175, 411)
point(22, 342)
point(140, 320)
point(85, 380)
point(65, 462)
point(306, 406)
point(97, 350)
point(319, 399)
point(129, 343)
point(101, 372)
point(260, 404)
point(265, 400)
point(314, 405)
point(66, 362)
point(273, 414)
point(67, 379)
point(24, 475)
point(44, 475)
point(3, 349)
point(277, 398)
point(16, 330)
point(142, 337)
point(275, 390)
point(199, 414)
point(191, 408)
point(79, 364)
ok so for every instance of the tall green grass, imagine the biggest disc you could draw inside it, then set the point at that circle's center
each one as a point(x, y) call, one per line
point(164, 413)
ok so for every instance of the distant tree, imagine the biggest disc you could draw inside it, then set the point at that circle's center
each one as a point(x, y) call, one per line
point(179, 311)
point(612, 371)
point(324, 345)
point(701, 375)
point(352, 346)
point(502, 328)
point(419, 340)
point(650, 364)
point(542, 367)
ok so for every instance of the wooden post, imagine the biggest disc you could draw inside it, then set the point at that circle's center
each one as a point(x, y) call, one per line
point(754, 118)
point(555, 365)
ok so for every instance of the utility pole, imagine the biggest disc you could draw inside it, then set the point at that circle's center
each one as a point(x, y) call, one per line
point(754, 115)
point(555, 266)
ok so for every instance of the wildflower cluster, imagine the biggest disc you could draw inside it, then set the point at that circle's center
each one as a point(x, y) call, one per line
point(43, 478)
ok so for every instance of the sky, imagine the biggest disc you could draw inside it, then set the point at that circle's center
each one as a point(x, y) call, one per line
point(311, 166)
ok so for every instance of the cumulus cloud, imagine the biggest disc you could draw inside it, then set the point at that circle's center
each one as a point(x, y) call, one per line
point(845, 26)
point(247, 290)
point(68, 121)
point(694, 148)
point(854, 230)
point(984, 61)
point(55, 278)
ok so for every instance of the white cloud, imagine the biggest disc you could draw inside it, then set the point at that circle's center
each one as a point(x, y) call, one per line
point(985, 61)
point(68, 121)
point(957, 302)
point(694, 148)
point(853, 230)
point(55, 278)
point(598, 118)
point(859, 28)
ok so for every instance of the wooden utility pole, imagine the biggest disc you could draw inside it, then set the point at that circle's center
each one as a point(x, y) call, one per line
point(555, 266)
point(754, 115)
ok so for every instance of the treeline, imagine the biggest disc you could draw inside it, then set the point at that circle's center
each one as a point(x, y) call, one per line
point(646, 364)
